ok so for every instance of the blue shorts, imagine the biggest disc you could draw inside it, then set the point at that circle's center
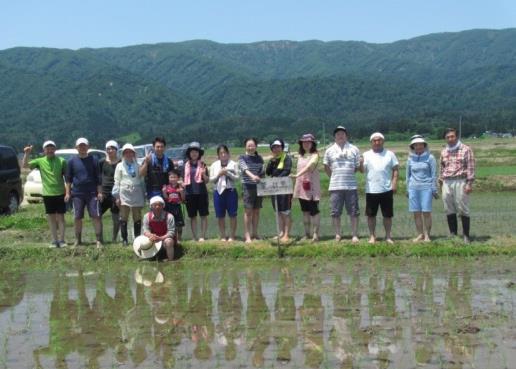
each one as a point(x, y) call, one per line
point(420, 200)
point(228, 201)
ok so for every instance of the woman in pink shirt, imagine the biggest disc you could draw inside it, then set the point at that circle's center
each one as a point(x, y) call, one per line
point(308, 185)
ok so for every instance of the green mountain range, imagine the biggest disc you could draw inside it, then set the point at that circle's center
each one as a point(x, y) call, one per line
point(224, 92)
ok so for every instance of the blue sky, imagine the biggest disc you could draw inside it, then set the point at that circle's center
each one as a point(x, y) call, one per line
point(93, 23)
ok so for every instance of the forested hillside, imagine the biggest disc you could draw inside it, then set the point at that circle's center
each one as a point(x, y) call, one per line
point(223, 92)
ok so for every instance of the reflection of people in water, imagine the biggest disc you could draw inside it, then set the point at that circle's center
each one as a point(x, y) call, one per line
point(348, 341)
point(457, 314)
point(312, 318)
point(423, 310)
point(87, 344)
point(386, 333)
point(202, 330)
point(258, 319)
point(163, 324)
point(137, 325)
point(284, 329)
point(62, 335)
point(12, 288)
point(230, 328)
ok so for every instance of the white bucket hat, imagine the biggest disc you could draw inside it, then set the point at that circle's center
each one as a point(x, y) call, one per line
point(144, 248)
point(417, 139)
point(128, 146)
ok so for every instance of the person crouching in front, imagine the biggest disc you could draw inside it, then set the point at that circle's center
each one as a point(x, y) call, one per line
point(158, 225)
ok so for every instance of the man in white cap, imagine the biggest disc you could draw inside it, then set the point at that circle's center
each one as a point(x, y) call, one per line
point(158, 225)
point(52, 170)
point(341, 162)
point(381, 168)
point(83, 187)
point(107, 168)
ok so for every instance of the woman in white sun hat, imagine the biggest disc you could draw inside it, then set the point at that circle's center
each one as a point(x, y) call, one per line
point(421, 186)
point(128, 191)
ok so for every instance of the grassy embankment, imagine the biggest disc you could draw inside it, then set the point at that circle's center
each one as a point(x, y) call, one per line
point(26, 236)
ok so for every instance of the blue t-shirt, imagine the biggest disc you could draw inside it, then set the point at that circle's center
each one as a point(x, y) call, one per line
point(84, 175)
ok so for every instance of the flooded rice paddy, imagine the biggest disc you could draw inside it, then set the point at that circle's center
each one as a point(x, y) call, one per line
point(358, 313)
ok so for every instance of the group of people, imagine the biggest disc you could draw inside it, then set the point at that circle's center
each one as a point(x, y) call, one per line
point(120, 184)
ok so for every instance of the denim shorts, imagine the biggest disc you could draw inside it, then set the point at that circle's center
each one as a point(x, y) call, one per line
point(420, 200)
point(88, 201)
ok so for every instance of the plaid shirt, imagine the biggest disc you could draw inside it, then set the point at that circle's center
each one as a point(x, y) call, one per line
point(459, 163)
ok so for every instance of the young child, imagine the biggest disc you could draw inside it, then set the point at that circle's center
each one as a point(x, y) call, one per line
point(174, 195)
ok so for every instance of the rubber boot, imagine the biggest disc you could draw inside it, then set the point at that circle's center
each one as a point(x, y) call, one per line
point(452, 224)
point(465, 228)
point(137, 228)
point(123, 232)
point(116, 226)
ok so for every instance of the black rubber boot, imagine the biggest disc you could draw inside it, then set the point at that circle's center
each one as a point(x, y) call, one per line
point(116, 226)
point(452, 224)
point(137, 228)
point(465, 228)
point(123, 232)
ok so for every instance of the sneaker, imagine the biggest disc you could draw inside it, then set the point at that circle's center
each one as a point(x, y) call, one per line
point(125, 243)
point(99, 245)
point(62, 243)
point(467, 240)
point(54, 245)
point(355, 240)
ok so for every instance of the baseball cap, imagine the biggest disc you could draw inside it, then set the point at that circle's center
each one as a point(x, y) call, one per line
point(112, 143)
point(49, 143)
point(82, 140)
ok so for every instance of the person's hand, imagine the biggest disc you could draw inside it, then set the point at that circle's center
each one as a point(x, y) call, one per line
point(27, 149)
point(469, 188)
point(100, 196)
point(67, 197)
point(154, 238)
point(435, 195)
point(394, 188)
point(293, 176)
point(118, 202)
point(148, 158)
point(223, 172)
point(256, 178)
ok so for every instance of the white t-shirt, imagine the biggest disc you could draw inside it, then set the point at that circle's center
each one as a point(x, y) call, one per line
point(378, 169)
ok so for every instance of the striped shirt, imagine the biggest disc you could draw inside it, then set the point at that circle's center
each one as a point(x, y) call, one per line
point(458, 164)
point(343, 162)
point(253, 163)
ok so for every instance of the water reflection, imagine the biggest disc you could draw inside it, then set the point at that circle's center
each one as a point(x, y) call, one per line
point(344, 316)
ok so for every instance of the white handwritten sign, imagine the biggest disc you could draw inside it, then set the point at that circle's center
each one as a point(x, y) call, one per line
point(275, 186)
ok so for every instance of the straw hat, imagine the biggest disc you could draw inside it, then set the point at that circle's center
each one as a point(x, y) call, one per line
point(144, 248)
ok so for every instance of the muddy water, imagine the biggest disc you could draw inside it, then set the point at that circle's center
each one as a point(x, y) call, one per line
point(373, 313)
